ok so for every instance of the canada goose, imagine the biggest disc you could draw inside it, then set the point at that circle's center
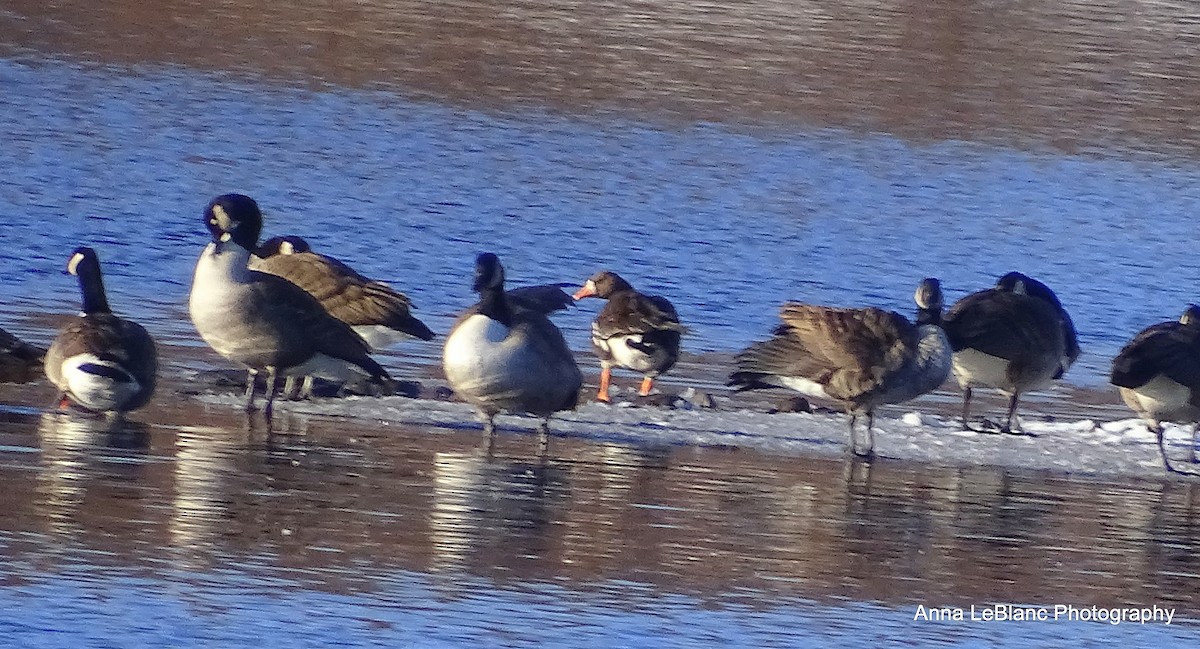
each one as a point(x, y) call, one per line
point(635, 331)
point(502, 355)
point(863, 358)
point(1015, 337)
point(263, 321)
point(20, 362)
point(378, 313)
point(100, 361)
point(1158, 374)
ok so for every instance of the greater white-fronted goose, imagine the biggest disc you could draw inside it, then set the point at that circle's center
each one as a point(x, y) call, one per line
point(862, 358)
point(503, 355)
point(20, 362)
point(635, 331)
point(1015, 337)
point(99, 361)
point(1158, 374)
point(262, 321)
point(379, 313)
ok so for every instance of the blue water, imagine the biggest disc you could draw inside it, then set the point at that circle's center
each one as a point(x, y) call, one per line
point(728, 221)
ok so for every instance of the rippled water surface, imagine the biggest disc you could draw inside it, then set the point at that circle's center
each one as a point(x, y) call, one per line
point(730, 156)
point(180, 534)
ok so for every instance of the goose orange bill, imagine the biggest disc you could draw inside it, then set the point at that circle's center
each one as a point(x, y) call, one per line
point(587, 290)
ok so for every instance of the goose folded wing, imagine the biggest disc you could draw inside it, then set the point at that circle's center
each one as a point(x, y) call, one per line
point(1004, 325)
point(1166, 350)
point(632, 313)
point(859, 348)
point(301, 314)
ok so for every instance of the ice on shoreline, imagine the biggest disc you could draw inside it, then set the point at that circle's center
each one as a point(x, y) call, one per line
point(1076, 446)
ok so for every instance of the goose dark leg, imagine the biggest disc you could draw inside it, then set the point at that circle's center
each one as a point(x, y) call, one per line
point(1162, 448)
point(251, 376)
point(966, 409)
point(272, 389)
point(853, 433)
point(544, 436)
point(1012, 411)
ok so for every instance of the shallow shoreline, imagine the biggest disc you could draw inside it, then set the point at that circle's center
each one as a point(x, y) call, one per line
point(1075, 431)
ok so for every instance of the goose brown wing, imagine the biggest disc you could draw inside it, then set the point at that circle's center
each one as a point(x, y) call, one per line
point(1003, 324)
point(1167, 349)
point(853, 350)
point(298, 313)
point(346, 294)
point(630, 312)
point(847, 351)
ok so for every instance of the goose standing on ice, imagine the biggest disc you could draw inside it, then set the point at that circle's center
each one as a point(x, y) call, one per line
point(99, 361)
point(1158, 374)
point(863, 358)
point(1015, 337)
point(635, 331)
point(262, 321)
point(504, 354)
point(377, 312)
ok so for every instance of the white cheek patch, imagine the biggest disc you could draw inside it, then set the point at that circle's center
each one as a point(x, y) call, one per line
point(220, 217)
point(74, 263)
point(226, 237)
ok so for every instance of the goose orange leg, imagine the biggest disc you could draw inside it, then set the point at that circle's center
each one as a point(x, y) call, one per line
point(647, 386)
point(605, 378)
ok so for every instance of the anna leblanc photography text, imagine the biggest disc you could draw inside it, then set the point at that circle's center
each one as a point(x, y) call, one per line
point(1057, 612)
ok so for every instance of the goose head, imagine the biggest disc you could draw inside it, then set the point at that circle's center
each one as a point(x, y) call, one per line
point(289, 245)
point(602, 285)
point(1015, 282)
point(1191, 316)
point(83, 262)
point(234, 217)
point(928, 297)
point(489, 274)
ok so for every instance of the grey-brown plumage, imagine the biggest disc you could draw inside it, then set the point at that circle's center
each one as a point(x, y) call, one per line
point(1158, 375)
point(1015, 337)
point(635, 331)
point(503, 355)
point(379, 313)
point(20, 362)
point(862, 358)
point(262, 321)
point(100, 361)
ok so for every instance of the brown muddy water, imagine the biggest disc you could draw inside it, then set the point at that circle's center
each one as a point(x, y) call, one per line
point(730, 156)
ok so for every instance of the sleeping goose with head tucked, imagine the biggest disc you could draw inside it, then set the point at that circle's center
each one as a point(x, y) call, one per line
point(505, 355)
point(1015, 337)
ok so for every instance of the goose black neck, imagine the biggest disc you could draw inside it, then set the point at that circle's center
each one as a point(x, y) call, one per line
point(494, 304)
point(929, 316)
point(91, 286)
